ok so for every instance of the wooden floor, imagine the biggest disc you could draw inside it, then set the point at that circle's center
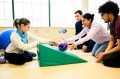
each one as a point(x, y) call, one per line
point(89, 70)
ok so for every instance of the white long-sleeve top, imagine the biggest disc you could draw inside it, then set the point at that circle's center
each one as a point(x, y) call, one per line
point(17, 45)
point(97, 33)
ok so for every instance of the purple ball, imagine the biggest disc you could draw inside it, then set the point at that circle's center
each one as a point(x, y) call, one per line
point(63, 46)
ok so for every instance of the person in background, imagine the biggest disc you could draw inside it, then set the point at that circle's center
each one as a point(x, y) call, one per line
point(93, 31)
point(21, 41)
point(111, 56)
point(88, 45)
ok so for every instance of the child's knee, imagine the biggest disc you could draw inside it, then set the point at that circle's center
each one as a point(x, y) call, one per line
point(17, 62)
point(28, 58)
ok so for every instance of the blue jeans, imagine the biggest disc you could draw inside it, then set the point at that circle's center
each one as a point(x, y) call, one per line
point(99, 48)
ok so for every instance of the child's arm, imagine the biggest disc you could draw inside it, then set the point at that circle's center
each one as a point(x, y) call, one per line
point(17, 42)
point(32, 38)
point(20, 45)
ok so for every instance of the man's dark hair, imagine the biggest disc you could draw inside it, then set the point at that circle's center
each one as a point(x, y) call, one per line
point(109, 7)
point(78, 11)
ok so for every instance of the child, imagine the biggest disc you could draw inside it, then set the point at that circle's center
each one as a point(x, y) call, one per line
point(21, 41)
point(95, 32)
point(109, 13)
point(88, 45)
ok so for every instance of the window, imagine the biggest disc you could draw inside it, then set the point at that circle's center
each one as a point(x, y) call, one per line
point(93, 8)
point(35, 10)
point(62, 12)
point(6, 13)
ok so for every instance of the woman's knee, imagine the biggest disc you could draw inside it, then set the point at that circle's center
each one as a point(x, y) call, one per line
point(97, 52)
point(93, 53)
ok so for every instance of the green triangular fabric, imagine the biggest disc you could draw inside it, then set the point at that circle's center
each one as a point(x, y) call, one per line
point(51, 56)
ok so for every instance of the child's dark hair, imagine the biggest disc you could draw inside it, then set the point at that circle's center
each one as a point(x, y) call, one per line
point(17, 22)
point(78, 11)
point(109, 7)
point(89, 16)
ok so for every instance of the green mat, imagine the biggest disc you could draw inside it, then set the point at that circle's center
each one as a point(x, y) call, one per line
point(51, 56)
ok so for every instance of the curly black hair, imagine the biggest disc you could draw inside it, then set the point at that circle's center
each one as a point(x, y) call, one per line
point(109, 7)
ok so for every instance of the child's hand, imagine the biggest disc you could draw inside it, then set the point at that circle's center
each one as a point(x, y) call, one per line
point(52, 43)
point(84, 48)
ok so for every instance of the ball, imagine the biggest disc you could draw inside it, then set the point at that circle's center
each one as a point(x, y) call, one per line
point(5, 38)
point(63, 46)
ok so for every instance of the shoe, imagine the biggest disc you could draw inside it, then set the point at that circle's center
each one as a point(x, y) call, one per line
point(30, 53)
point(2, 60)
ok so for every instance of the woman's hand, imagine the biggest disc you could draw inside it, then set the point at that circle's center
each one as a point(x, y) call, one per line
point(72, 47)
